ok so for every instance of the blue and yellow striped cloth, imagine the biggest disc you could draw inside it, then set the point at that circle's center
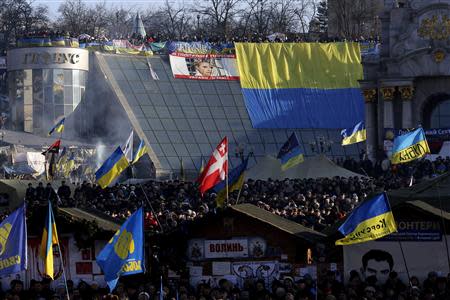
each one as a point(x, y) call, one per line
point(371, 220)
point(236, 178)
point(301, 85)
point(354, 135)
point(410, 146)
point(49, 238)
point(111, 168)
point(59, 127)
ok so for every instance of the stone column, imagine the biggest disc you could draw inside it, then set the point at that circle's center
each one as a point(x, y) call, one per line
point(370, 97)
point(388, 95)
point(406, 93)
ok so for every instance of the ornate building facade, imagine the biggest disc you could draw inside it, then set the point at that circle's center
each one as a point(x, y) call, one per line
point(408, 84)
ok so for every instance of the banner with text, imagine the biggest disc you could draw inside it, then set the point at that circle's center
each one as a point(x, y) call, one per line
point(204, 66)
point(226, 248)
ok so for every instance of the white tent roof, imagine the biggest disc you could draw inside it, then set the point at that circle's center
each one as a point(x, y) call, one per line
point(138, 26)
point(313, 167)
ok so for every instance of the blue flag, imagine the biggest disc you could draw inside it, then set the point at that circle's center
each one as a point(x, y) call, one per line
point(124, 253)
point(13, 243)
point(291, 153)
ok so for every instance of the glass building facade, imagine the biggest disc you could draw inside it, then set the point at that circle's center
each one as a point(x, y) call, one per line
point(184, 120)
point(42, 93)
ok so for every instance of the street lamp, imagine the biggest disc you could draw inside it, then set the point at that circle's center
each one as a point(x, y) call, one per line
point(321, 145)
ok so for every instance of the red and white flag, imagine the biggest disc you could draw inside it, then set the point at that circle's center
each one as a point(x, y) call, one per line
point(217, 168)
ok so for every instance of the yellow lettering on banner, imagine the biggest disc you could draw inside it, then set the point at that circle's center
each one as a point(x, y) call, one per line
point(10, 261)
point(131, 266)
point(371, 229)
point(411, 153)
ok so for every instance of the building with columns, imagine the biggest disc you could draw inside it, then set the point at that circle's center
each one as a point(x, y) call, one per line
point(408, 83)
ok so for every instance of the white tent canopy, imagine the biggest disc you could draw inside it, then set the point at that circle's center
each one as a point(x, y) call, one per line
point(313, 167)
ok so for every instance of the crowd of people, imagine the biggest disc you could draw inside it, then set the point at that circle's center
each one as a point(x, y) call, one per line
point(315, 203)
point(328, 286)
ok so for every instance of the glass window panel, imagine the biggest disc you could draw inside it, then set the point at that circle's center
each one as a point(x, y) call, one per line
point(212, 100)
point(190, 112)
point(184, 99)
point(195, 124)
point(68, 109)
point(267, 136)
point(169, 124)
point(78, 95)
point(174, 136)
point(181, 149)
point(78, 77)
point(232, 113)
point(179, 87)
point(142, 99)
point(240, 136)
point(188, 137)
point(131, 75)
point(218, 112)
point(149, 111)
point(164, 163)
point(175, 163)
point(247, 124)
point(176, 112)
point(208, 124)
point(151, 87)
point(136, 86)
point(235, 124)
point(168, 149)
point(144, 75)
point(162, 111)
point(226, 100)
point(208, 88)
point(199, 100)
point(222, 87)
point(68, 95)
point(165, 87)
point(253, 136)
point(162, 137)
point(156, 100)
point(59, 111)
point(214, 137)
point(38, 112)
point(155, 124)
point(204, 112)
point(272, 149)
point(157, 149)
point(48, 112)
point(47, 75)
point(193, 149)
point(182, 125)
point(171, 99)
point(222, 124)
point(200, 137)
point(206, 150)
point(68, 80)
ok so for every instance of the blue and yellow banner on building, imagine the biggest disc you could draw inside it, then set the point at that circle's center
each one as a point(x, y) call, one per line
point(354, 135)
point(124, 253)
point(410, 146)
point(301, 85)
point(49, 238)
point(111, 168)
point(291, 153)
point(13, 243)
point(236, 178)
point(371, 220)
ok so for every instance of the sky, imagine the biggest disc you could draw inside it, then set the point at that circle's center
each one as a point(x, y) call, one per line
point(133, 4)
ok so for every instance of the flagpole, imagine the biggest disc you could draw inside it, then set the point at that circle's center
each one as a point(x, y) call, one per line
point(226, 184)
point(240, 189)
point(404, 261)
point(64, 271)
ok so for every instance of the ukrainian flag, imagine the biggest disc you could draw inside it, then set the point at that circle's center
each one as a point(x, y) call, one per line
point(373, 219)
point(355, 135)
point(290, 154)
point(49, 238)
point(141, 150)
point(301, 85)
point(236, 178)
point(410, 146)
point(59, 127)
point(111, 168)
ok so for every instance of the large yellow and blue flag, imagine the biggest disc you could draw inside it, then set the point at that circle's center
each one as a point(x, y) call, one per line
point(371, 220)
point(49, 238)
point(236, 179)
point(13, 243)
point(140, 151)
point(410, 146)
point(290, 154)
point(111, 168)
point(354, 135)
point(124, 253)
point(59, 127)
point(301, 85)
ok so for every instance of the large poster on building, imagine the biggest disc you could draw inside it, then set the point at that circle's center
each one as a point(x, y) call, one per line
point(379, 258)
point(204, 66)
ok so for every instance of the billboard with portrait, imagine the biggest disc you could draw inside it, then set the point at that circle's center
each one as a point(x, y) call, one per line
point(204, 66)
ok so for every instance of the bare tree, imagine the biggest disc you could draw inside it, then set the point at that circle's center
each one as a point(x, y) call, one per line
point(20, 16)
point(284, 18)
point(255, 17)
point(219, 14)
point(174, 22)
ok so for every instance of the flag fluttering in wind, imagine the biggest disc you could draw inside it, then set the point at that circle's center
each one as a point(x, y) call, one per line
point(236, 179)
point(127, 148)
point(216, 169)
point(410, 146)
point(140, 151)
point(13, 243)
point(59, 127)
point(354, 135)
point(124, 253)
point(371, 220)
point(111, 168)
point(291, 153)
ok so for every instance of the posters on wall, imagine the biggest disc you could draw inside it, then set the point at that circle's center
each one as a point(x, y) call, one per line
point(204, 66)
point(199, 249)
point(379, 258)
